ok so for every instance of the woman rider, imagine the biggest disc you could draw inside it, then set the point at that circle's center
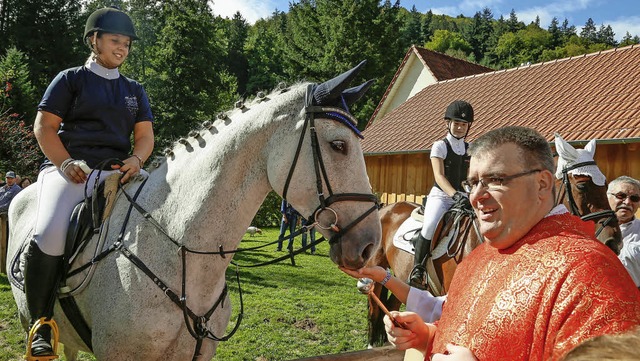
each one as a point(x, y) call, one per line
point(87, 115)
point(450, 164)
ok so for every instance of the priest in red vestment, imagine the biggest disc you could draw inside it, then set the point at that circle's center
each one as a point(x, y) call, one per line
point(541, 283)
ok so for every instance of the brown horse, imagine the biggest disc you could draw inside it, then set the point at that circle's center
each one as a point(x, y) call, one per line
point(577, 192)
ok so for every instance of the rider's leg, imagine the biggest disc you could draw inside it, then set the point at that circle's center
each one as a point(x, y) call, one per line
point(42, 274)
point(57, 196)
point(436, 205)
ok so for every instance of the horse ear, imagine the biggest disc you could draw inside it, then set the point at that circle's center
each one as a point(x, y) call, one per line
point(591, 147)
point(330, 91)
point(566, 154)
point(354, 94)
point(564, 149)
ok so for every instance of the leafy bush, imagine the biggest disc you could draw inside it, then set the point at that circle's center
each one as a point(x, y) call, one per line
point(269, 213)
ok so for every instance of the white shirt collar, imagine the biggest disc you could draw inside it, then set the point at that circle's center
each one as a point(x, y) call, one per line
point(456, 144)
point(559, 209)
point(101, 71)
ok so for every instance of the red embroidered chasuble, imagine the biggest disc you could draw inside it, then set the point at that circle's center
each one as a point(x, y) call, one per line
point(536, 300)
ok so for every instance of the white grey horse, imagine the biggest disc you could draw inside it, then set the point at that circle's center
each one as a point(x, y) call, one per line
point(204, 195)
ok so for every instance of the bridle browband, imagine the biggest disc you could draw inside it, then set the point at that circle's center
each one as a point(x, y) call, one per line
point(609, 214)
point(346, 118)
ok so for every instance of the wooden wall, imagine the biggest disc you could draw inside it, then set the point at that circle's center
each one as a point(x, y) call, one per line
point(409, 177)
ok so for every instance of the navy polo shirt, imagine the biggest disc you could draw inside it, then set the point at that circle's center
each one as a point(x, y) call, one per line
point(98, 114)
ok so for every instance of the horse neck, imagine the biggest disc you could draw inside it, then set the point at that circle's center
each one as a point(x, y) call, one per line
point(210, 190)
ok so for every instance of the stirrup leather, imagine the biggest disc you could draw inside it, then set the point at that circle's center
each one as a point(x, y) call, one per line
point(54, 340)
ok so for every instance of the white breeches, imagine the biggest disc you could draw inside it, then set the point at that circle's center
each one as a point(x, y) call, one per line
point(435, 207)
point(57, 197)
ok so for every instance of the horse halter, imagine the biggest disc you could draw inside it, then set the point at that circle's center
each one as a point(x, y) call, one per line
point(347, 119)
point(610, 215)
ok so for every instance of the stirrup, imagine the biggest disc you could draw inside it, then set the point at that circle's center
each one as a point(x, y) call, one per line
point(54, 340)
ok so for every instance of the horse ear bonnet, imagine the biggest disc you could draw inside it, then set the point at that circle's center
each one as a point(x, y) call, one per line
point(331, 91)
point(354, 94)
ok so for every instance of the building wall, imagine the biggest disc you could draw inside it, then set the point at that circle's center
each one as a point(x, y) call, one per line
point(413, 78)
point(409, 177)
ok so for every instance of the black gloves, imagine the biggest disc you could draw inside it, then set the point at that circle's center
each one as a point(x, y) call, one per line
point(461, 200)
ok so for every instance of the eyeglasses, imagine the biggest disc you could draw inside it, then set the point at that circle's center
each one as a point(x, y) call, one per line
point(470, 185)
point(622, 196)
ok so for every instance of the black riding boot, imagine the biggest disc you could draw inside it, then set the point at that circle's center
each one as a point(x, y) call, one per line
point(418, 273)
point(40, 284)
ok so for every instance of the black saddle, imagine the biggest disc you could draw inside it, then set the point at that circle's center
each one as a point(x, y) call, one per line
point(84, 222)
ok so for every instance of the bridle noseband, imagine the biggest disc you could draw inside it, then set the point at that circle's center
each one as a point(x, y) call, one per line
point(610, 215)
point(346, 118)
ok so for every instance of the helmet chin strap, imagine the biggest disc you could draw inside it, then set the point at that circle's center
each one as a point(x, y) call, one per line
point(94, 46)
point(449, 130)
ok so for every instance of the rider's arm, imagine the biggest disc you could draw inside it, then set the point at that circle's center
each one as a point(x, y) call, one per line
point(142, 148)
point(437, 164)
point(422, 302)
point(46, 128)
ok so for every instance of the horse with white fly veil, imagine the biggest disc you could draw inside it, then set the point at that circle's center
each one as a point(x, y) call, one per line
point(580, 186)
point(157, 290)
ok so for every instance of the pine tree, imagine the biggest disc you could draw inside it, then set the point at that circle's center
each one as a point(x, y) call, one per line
point(513, 24)
point(188, 83)
point(606, 36)
point(555, 32)
point(236, 33)
point(588, 32)
point(264, 53)
point(60, 49)
point(17, 94)
point(411, 30)
point(327, 37)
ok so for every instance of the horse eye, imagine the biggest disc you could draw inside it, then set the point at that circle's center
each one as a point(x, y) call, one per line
point(582, 186)
point(339, 146)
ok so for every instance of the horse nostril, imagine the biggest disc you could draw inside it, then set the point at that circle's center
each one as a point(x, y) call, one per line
point(367, 252)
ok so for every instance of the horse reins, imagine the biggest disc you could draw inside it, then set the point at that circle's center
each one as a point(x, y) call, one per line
point(609, 214)
point(321, 173)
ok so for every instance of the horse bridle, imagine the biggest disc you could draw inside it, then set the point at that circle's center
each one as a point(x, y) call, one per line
point(321, 174)
point(610, 215)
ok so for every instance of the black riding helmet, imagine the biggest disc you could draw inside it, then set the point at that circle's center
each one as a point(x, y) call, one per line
point(459, 111)
point(110, 20)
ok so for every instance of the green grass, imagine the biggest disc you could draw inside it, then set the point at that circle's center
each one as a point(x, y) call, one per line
point(290, 312)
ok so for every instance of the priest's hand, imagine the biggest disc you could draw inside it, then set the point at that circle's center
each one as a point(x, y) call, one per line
point(417, 333)
point(454, 353)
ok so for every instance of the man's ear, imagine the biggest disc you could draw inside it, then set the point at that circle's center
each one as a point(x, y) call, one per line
point(546, 182)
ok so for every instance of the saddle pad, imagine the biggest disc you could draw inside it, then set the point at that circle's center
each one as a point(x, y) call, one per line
point(402, 238)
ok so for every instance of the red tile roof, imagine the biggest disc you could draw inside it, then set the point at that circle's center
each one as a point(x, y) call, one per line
point(441, 66)
point(593, 96)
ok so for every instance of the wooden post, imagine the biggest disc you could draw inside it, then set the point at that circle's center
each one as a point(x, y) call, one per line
point(3, 242)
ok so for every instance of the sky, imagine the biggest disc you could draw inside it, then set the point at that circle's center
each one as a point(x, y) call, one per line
point(622, 15)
